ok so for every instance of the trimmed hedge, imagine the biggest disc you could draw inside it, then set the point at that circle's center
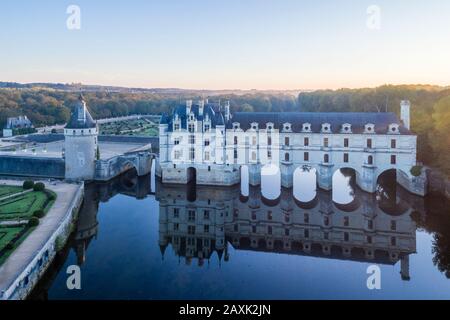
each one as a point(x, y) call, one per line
point(28, 184)
point(39, 186)
point(33, 222)
point(416, 171)
point(39, 214)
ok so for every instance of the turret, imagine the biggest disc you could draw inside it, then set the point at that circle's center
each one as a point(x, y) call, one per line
point(81, 143)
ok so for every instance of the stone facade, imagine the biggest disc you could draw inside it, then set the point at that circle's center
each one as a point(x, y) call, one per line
point(209, 139)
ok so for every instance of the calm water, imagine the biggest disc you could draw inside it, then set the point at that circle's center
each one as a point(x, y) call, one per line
point(138, 239)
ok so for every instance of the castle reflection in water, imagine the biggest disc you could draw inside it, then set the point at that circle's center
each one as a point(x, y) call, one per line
point(196, 222)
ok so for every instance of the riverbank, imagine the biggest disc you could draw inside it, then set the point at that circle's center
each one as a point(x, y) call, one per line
point(24, 267)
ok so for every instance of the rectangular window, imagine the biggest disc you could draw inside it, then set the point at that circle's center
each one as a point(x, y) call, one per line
point(253, 156)
point(191, 139)
point(306, 156)
point(306, 218)
point(393, 160)
point(269, 141)
point(286, 232)
point(207, 156)
point(191, 127)
point(286, 141)
point(346, 143)
point(393, 225)
point(254, 141)
point(235, 154)
point(176, 212)
point(346, 221)
point(346, 236)
point(326, 158)
point(369, 143)
point(369, 239)
point(235, 140)
point(206, 214)
point(206, 127)
point(393, 144)
point(370, 224)
point(346, 157)
point(306, 142)
point(176, 127)
point(306, 233)
point(206, 143)
point(253, 229)
point(269, 155)
point(176, 227)
point(191, 229)
point(325, 142)
point(176, 141)
point(192, 154)
point(177, 154)
point(269, 229)
point(206, 228)
point(191, 215)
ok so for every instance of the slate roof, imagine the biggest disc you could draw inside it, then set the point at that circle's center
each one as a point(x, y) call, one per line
point(212, 110)
point(336, 119)
point(75, 123)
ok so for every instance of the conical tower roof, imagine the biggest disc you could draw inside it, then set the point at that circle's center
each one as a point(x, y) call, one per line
point(81, 118)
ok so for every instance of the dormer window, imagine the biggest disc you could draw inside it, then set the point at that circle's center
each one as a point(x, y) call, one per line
point(326, 127)
point(393, 129)
point(369, 128)
point(236, 125)
point(176, 126)
point(254, 126)
point(346, 128)
point(269, 126)
point(306, 127)
point(287, 127)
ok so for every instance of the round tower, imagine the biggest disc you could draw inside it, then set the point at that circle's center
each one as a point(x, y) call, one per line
point(81, 143)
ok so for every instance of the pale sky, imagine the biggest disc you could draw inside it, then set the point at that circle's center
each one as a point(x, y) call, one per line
point(233, 44)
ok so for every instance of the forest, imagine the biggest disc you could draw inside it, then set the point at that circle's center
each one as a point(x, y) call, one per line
point(430, 113)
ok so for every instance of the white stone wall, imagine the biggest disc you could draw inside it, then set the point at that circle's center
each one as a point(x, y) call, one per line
point(80, 153)
point(254, 148)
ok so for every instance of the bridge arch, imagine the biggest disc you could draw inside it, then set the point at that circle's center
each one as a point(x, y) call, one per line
point(271, 181)
point(305, 184)
point(344, 184)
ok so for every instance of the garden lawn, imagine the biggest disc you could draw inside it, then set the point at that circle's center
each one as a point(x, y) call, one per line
point(9, 190)
point(23, 206)
point(7, 234)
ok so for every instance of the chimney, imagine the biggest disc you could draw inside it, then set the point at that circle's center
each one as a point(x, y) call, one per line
point(201, 106)
point(405, 107)
point(188, 106)
point(227, 111)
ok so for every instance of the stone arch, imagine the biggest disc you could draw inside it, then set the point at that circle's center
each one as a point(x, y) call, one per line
point(271, 181)
point(389, 200)
point(244, 173)
point(128, 165)
point(191, 175)
point(305, 184)
point(344, 181)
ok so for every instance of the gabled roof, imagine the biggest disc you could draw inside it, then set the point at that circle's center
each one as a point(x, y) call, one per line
point(336, 119)
point(211, 111)
point(80, 117)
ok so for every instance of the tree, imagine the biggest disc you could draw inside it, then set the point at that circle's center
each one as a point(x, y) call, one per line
point(247, 107)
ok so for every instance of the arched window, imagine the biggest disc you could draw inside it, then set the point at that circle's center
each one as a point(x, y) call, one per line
point(370, 160)
point(286, 157)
